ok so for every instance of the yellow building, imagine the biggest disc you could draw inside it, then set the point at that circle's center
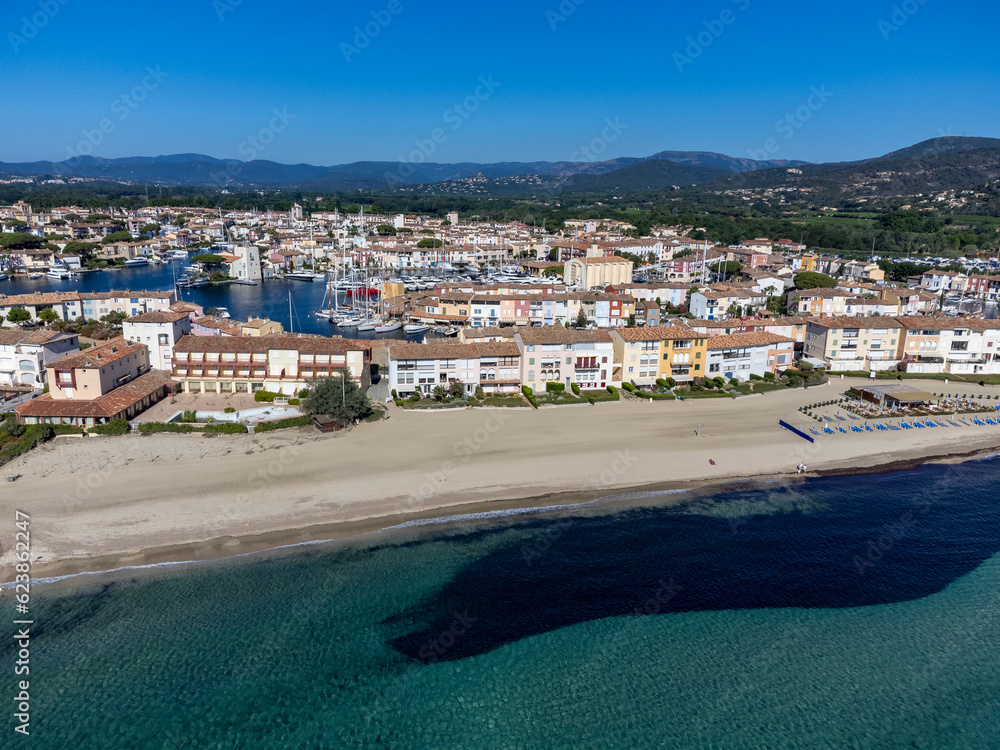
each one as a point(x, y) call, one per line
point(647, 354)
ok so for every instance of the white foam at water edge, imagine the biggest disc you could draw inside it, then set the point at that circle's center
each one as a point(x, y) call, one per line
point(8, 585)
point(522, 511)
point(987, 457)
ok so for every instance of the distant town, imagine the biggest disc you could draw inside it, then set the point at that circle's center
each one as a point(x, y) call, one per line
point(503, 309)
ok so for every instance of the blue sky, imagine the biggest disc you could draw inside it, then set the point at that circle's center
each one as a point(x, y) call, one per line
point(716, 76)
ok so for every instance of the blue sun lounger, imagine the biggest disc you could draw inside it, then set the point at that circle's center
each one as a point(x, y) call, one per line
point(841, 429)
point(868, 428)
point(828, 431)
point(882, 427)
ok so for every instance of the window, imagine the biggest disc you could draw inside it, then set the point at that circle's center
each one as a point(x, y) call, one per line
point(714, 367)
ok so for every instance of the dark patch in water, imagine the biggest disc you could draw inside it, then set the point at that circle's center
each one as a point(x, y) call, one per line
point(934, 525)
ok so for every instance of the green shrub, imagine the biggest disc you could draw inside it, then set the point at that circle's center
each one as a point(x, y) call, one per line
point(265, 397)
point(294, 402)
point(720, 382)
point(230, 410)
point(31, 436)
point(226, 429)
point(150, 428)
point(555, 387)
point(769, 376)
point(576, 389)
point(629, 387)
point(304, 394)
point(114, 427)
point(189, 417)
point(755, 378)
point(480, 394)
point(67, 429)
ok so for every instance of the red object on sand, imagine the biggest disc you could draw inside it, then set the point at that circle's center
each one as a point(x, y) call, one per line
point(711, 462)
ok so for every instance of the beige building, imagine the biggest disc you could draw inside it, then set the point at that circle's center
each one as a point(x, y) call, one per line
point(855, 343)
point(97, 385)
point(597, 270)
point(279, 364)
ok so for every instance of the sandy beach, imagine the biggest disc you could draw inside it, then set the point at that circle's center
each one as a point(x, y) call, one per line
point(99, 503)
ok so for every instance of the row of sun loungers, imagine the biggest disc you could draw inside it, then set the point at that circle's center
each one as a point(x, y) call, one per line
point(910, 423)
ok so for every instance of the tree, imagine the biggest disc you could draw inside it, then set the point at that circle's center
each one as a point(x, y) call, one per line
point(48, 316)
point(631, 321)
point(18, 315)
point(19, 241)
point(339, 397)
point(121, 236)
point(729, 268)
point(386, 230)
point(428, 242)
point(581, 319)
point(456, 389)
point(811, 280)
point(439, 392)
point(149, 229)
point(207, 258)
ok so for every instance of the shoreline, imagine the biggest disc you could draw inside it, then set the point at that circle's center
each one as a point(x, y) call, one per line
point(111, 502)
point(454, 516)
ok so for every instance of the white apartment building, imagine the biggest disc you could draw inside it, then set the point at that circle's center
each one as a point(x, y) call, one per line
point(159, 331)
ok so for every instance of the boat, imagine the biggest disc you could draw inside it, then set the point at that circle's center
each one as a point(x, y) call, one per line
point(301, 276)
point(392, 325)
point(244, 282)
point(363, 292)
point(346, 322)
point(56, 274)
point(34, 275)
point(199, 283)
point(222, 312)
point(440, 330)
point(453, 331)
point(137, 262)
point(178, 255)
point(367, 325)
point(4, 277)
point(416, 328)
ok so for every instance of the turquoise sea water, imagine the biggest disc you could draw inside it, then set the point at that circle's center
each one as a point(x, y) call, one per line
point(755, 617)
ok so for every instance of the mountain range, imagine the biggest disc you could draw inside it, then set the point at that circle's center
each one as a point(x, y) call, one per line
point(201, 170)
point(939, 163)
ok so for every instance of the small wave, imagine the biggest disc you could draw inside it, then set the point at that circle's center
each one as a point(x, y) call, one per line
point(8, 585)
point(485, 515)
